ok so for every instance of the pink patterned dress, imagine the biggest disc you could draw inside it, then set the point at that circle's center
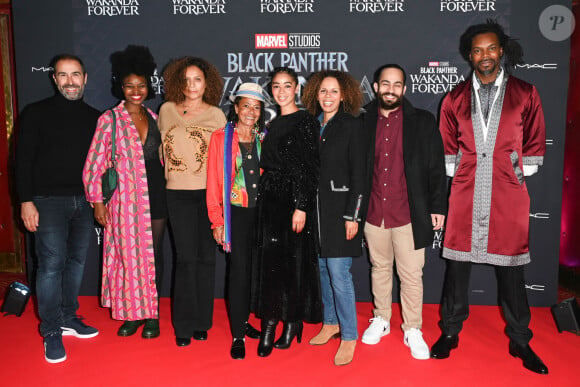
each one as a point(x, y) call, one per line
point(128, 283)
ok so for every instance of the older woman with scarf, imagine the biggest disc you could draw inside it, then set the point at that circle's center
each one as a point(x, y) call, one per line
point(233, 173)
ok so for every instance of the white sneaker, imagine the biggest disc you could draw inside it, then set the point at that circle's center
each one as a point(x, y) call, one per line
point(376, 330)
point(414, 340)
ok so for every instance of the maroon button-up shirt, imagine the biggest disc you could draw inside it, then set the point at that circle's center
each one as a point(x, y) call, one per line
point(388, 200)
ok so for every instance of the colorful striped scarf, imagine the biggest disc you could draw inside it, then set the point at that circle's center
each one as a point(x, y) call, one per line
point(238, 188)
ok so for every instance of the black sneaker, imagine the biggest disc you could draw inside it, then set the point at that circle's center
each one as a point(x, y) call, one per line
point(53, 349)
point(75, 327)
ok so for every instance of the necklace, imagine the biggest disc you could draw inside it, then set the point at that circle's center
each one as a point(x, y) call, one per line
point(185, 109)
point(248, 155)
point(140, 113)
point(248, 150)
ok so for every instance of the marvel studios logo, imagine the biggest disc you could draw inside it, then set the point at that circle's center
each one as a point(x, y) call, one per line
point(438, 64)
point(292, 40)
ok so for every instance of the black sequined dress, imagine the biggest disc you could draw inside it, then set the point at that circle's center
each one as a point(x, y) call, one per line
point(286, 282)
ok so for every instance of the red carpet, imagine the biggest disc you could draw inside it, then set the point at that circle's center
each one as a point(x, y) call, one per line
point(482, 358)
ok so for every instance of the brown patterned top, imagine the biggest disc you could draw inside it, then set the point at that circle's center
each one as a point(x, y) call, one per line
point(185, 145)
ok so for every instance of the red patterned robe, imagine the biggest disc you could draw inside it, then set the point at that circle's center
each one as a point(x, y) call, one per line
point(488, 217)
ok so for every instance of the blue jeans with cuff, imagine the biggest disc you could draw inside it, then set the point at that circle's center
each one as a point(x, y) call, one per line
point(338, 295)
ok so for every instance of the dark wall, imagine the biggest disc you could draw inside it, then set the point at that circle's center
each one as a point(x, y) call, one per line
point(351, 35)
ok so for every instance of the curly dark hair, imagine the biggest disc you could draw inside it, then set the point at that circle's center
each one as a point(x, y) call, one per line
point(233, 116)
point(175, 83)
point(349, 91)
point(135, 60)
point(512, 50)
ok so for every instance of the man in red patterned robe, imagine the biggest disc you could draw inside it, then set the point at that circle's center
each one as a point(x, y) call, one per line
point(493, 133)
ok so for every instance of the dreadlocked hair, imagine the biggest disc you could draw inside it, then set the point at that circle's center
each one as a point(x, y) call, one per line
point(512, 50)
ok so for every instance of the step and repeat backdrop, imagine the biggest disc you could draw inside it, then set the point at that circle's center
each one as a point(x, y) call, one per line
point(247, 39)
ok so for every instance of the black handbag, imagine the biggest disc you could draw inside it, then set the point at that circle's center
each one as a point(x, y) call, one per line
point(16, 299)
point(110, 177)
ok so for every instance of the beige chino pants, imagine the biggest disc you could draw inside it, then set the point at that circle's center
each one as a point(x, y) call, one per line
point(388, 245)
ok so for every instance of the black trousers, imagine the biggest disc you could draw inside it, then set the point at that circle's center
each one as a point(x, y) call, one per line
point(240, 268)
point(193, 292)
point(512, 296)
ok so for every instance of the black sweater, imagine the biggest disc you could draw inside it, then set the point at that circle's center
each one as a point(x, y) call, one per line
point(53, 141)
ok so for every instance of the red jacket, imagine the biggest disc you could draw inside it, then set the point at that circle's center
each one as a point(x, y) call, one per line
point(489, 206)
point(215, 173)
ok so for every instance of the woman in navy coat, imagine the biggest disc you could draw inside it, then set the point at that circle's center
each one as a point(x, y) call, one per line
point(334, 97)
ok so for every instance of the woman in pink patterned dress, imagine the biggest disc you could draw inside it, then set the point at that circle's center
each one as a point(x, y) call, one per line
point(134, 218)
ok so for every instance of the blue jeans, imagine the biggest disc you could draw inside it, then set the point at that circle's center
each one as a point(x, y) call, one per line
point(61, 243)
point(338, 295)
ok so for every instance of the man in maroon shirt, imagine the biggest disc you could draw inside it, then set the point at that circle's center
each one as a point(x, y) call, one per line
point(407, 201)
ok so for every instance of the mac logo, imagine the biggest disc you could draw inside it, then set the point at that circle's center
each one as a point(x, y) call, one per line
point(42, 69)
point(540, 215)
point(543, 66)
point(539, 288)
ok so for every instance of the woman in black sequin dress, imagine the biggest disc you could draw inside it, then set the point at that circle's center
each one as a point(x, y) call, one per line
point(286, 279)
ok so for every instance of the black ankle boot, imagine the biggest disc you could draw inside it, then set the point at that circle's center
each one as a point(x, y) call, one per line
point(151, 328)
point(267, 337)
point(129, 328)
point(291, 329)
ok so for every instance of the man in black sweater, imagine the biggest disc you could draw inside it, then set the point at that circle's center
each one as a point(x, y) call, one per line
point(54, 138)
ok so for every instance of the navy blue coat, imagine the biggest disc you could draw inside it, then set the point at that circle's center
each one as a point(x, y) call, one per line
point(341, 185)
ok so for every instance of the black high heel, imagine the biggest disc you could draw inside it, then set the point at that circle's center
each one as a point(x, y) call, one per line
point(267, 337)
point(291, 330)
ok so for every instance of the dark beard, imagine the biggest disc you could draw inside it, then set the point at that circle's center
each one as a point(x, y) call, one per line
point(389, 106)
point(78, 94)
point(489, 70)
